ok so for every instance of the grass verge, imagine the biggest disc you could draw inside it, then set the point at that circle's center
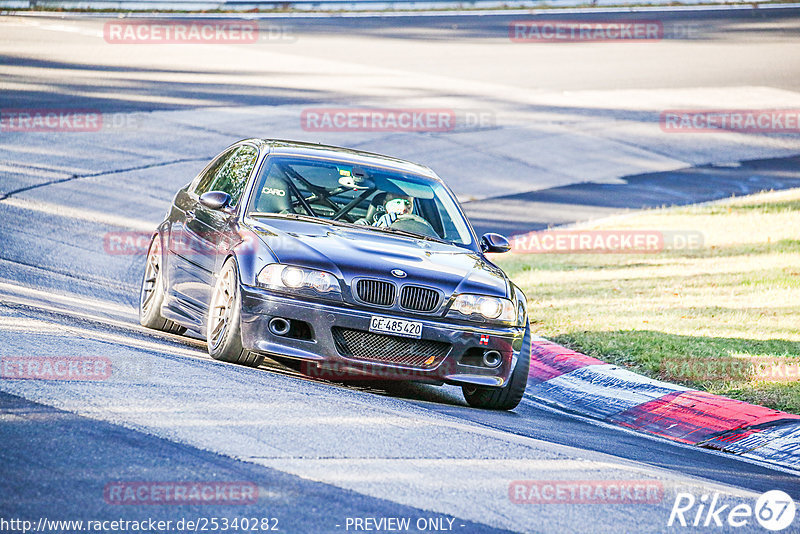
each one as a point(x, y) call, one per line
point(723, 317)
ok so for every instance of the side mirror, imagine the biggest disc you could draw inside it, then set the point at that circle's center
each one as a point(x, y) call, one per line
point(215, 200)
point(494, 243)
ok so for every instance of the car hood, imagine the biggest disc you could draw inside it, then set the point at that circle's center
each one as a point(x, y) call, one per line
point(352, 252)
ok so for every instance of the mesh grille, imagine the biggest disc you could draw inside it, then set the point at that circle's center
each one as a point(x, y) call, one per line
point(419, 298)
point(376, 292)
point(362, 345)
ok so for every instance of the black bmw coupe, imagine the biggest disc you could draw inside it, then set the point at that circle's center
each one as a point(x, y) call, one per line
point(345, 263)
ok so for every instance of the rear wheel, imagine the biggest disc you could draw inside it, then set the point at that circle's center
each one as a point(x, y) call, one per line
point(224, 334)
point(151, 295)
point(508, 396)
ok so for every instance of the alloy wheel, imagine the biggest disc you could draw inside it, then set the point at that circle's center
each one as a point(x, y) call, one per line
point(151, 277)
point(221, 307)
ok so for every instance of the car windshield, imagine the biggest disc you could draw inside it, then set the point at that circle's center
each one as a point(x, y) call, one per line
point(374, 197)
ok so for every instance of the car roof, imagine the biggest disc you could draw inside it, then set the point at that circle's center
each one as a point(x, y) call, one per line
point(298, 148)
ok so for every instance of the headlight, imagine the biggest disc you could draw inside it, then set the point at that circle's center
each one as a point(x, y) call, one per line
point(488, 308)
point(289, 277)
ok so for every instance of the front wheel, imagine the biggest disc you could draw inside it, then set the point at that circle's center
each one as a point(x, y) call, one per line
point(508, 396)
point(223, 332)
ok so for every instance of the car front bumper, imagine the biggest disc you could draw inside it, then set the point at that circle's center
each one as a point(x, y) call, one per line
point(326, 359)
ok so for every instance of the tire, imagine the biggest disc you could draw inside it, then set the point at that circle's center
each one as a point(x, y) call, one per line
point(508, 396)
point(223, 332)
point(151, 293)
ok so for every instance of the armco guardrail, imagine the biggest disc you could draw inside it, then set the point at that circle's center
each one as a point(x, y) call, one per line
point(324, 5)
point(249, 5)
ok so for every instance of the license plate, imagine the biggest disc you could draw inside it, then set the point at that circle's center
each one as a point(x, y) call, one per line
point(398, 327)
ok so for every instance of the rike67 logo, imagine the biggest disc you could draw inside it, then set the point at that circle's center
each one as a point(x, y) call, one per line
point(774, 510)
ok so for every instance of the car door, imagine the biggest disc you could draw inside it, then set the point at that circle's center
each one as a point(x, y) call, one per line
point(210, 233)
point(185, 287)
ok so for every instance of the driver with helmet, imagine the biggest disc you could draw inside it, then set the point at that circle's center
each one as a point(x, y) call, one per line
point(394, 209)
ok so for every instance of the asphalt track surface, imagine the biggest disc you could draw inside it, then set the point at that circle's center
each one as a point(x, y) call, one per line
point(321, 452)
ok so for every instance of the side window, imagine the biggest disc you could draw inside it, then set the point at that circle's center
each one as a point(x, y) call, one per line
point(204, 184)
point(233, 175)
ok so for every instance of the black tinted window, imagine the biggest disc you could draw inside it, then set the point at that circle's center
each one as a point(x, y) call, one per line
point(205, 182)
point(233, 175)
